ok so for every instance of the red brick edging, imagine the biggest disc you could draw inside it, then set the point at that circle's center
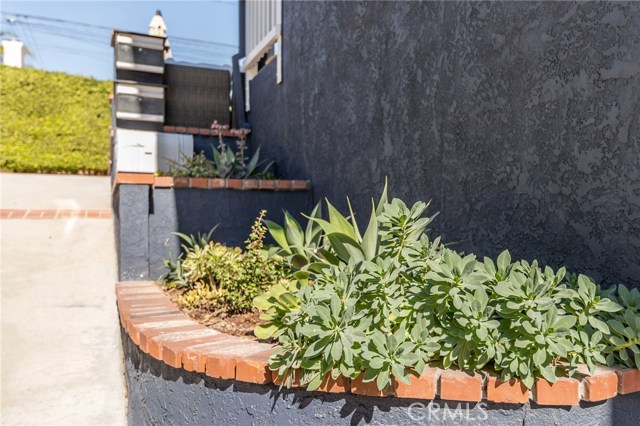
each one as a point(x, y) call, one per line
point(54, 214)
point(161, 330)
point(230, 133)
point(211, 183)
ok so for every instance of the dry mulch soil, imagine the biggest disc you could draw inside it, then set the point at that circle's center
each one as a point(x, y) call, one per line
point(236, 325)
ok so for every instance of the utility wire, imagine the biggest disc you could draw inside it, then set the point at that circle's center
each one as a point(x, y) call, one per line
point(66, 23)
point(189, 50)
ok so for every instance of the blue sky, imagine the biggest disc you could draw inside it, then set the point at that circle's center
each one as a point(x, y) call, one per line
point(58, 44)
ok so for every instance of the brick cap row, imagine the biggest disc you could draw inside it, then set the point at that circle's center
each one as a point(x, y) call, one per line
point(123, 178)
point(205, 131)
point(163, 331)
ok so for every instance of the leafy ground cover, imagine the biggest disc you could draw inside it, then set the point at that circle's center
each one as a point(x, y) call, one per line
point(387, 302)
point(53, 122)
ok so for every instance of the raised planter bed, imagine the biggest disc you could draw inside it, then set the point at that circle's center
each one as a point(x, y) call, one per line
point(181, 372)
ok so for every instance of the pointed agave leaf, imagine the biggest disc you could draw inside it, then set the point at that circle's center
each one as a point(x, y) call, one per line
point(278, 234)
point(266, 167)
point(326, 226)
point(312, 229)
point(328, 256)
point(384, 199)
point(253, 163)
point(345, 247)
point(339, 222)
point(293, 231)
point(354, 223)
point(370, 239)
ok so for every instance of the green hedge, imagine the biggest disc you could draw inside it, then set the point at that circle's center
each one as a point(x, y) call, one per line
point(53, 122)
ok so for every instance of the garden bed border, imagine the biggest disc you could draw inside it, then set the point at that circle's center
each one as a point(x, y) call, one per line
point(123, 178)
point(159, 328)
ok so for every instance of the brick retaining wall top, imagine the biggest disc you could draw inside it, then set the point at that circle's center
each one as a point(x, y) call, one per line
point(162, 330)
point(210, 183)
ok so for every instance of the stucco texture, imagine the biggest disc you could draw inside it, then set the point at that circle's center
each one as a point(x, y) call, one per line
point(519, 120)
point(146, 219)
point(162, 395)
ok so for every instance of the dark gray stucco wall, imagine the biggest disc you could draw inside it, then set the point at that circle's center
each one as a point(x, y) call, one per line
point(196, 210)
point(146, 219)
point(163, 395)
point(519, 119)
point(131, 207)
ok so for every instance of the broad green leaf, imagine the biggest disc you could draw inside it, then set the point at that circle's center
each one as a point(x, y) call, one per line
point(336, 350)
point(504, 260)
point(313, 229)
point(339, 222)
point(608, 306)
point(293, 231)
point(548, 373)
point(539, 357)
point(315, 382)
point(345, 247)
point(265, 331)
point(383, 379)
point(278, 234)
point(599, 324)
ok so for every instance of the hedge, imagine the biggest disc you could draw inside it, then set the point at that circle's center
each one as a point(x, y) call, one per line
point(53, 122)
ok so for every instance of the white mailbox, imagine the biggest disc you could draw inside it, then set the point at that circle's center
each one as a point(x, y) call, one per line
point(141, 151)
point(136, 151)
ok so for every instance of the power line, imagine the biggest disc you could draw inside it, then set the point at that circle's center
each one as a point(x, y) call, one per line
point(101, 27)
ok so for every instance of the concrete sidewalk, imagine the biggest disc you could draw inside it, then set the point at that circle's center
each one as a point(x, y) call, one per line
point(61, 351)
point(33, 191)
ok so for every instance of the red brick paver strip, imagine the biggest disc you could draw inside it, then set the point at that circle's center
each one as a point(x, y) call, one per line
point(54, 214)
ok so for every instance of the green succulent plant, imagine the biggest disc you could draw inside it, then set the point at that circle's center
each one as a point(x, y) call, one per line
point(385, 303)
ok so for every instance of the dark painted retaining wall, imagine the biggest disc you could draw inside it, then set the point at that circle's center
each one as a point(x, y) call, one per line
point(519, 119)
point(146, 217)
point(162, 395)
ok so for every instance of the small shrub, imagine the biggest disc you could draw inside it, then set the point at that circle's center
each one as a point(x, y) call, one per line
point(386, 302)
point(200, 296)
point(213, 276)
point(197, 166)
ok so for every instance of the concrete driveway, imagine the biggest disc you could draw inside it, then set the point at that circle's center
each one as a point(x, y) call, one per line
point(61, 351)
